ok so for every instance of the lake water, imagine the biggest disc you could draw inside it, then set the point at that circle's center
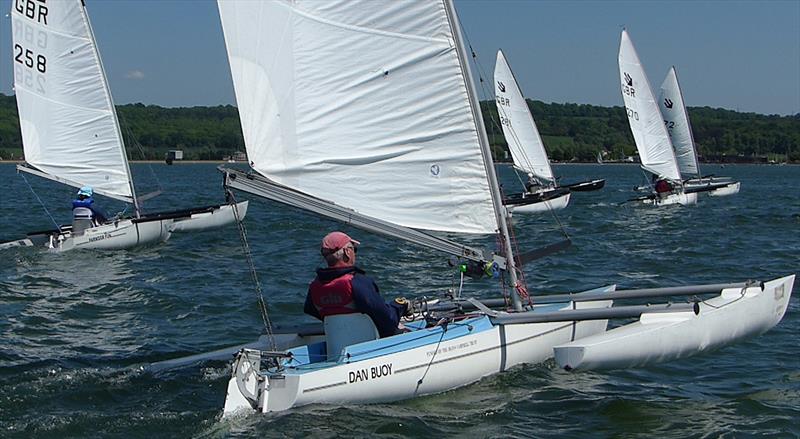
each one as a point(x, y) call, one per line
point(76, 328)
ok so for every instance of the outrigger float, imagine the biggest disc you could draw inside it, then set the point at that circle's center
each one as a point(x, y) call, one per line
point(307, 144)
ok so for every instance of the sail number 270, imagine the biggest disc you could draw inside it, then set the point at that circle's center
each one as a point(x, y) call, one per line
point(632, 114)
point(27, 58)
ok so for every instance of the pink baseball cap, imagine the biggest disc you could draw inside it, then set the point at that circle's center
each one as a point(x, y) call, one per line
point(336, 240)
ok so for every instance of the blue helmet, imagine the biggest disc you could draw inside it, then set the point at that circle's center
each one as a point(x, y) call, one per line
point(86, 190)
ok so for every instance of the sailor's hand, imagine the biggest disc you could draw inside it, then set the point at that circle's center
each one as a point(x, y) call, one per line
point(404, 306)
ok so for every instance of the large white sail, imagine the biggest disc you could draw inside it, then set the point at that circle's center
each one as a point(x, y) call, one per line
point(362, 103)
point(647, 125)
point(676, 119)
point(69, 127)
point(519, 129)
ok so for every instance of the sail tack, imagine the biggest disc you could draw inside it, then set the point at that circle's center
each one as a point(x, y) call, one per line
point(644, 116)
point(676, 119)
point(69, 128)
point(519, 129)
point(362, 103)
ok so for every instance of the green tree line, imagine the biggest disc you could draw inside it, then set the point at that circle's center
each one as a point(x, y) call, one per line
point(571, 132)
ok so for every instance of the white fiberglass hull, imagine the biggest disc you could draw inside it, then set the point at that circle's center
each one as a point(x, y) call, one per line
point(123, 234)
point(430, 365)
point(659, 337)
point(682, 198)
point(217, 217)
point(730, 189)
point(556, 203)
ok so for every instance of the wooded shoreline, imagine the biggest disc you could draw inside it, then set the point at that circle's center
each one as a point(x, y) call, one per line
point(571, 133)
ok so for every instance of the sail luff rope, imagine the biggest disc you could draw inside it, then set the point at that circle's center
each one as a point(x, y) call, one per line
point(22, 174)
point(262, 304)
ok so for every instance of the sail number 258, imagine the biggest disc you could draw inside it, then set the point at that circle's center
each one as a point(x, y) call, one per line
point(27, 58)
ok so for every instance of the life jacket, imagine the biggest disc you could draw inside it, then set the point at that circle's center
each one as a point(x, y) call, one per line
point(663, 186)
point(82, 209)
point(334, 297)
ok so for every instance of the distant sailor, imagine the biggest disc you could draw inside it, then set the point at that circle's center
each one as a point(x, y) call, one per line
point(84, 214)
point(343, 288)
point(663, 187)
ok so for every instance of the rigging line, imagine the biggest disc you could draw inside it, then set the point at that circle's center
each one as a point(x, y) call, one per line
point(433, 357)
point(40, 201)
point(262, 304)
point(481, 75)
point(129, 132)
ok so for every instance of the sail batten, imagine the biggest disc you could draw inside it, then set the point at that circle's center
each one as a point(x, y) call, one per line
point(673, 108)
point(67, 117)
point(647, 124)
point(519, 128)
point(361, 103)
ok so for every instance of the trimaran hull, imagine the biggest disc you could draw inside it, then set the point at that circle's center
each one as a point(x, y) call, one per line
point(715, 187)
point(556, 203)
point(133, 232)
point(420, 362)
point(734, 314)
point(433, 360)
point(682, 198)
point(730, 189)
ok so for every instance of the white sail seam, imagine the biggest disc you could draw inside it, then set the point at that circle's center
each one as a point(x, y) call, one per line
point(95, 110)
point(370, 30)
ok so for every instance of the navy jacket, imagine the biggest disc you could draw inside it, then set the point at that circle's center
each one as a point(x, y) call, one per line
point(366, 298)
point(99, 217)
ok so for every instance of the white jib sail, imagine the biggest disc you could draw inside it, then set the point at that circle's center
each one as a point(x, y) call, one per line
point(362, 103)
point(519, 129)
point(69, 128)
point(647, 125)
point(676, 119)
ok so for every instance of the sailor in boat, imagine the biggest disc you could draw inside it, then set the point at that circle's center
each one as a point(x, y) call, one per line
point(534, 185)
point(342, 288)
point(84, 214)
point(662, 187)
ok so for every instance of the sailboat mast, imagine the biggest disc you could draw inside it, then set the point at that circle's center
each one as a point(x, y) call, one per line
point(136, 206)
point(501, 213)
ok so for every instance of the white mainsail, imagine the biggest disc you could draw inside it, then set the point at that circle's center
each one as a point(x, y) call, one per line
point(519, 128)
point(673, 109)
point(364, 104)
point(69, 127)
point(647, 124)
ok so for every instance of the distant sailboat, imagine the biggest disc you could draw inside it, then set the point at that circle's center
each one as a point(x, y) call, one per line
point(70, 131)
point(647, 126)
point(527, 149)
point(676, 119)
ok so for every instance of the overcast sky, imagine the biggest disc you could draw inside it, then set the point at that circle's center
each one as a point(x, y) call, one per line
point(740, 55)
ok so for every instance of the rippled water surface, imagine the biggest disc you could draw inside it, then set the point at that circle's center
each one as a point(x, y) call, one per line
point(76, 328)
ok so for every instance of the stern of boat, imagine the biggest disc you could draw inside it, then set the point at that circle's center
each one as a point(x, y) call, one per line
point(245, 384)
point(251, 388)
